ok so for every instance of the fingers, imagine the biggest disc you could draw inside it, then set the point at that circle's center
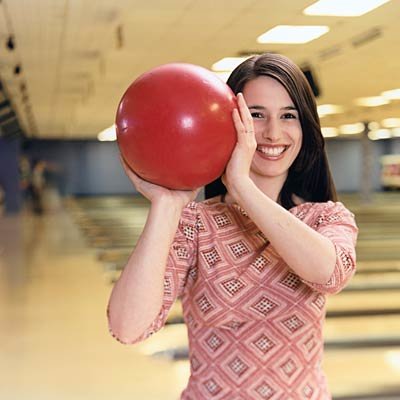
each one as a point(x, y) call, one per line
point(223, 179)
point(245, 114)
point(238, 123)
point(242, 119)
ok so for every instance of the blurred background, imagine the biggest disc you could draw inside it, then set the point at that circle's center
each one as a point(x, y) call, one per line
point(69, 217)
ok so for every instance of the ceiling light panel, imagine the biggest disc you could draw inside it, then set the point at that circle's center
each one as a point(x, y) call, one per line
point(374, 101)
point(393, 94)
point(380, 134)
point(396, 132)
point(294, 34)
point(343, 8)
point(329, 109)
point(227, 64)
point(329, 131)
point(391, 122)
point(352, 129)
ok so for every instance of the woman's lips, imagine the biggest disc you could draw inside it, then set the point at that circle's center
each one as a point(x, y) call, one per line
point(271, 152)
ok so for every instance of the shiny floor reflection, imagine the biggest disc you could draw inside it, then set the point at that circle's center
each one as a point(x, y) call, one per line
point(54, 342)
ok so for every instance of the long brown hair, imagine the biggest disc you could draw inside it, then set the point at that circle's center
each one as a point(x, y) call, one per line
point(309, 176)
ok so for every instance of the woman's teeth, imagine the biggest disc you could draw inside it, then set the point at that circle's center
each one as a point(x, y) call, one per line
point(271, 151)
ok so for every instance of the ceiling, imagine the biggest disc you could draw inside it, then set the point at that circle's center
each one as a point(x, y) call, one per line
point(77, 57)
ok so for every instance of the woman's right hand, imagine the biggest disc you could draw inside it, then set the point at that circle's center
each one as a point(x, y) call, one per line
point(155, 193)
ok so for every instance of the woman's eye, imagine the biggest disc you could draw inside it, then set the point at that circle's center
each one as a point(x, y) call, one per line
point(257, 115)
point(289, 116)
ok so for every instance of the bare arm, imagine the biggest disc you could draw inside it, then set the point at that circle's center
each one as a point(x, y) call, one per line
point(137, 296)
point(311, 255)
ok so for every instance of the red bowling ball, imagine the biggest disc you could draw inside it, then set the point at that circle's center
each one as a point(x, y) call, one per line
point(174, 126)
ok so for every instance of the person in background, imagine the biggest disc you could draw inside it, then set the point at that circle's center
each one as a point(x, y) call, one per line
point(25, 176)
point(37, 185)
point(252, 266)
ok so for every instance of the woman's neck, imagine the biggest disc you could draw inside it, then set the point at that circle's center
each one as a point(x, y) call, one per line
point(269, 186)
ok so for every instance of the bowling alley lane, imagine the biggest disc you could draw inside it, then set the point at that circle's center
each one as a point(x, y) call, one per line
point(54, 341)
point(55, 280)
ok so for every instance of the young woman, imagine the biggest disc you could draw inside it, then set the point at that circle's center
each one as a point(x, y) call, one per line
point(253, 266)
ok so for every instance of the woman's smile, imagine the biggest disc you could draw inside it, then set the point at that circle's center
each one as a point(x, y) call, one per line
point(271, 152)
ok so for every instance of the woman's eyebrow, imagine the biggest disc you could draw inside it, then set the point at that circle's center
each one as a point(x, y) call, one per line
point(290, 108)
point(256, 107)
point(286, 108)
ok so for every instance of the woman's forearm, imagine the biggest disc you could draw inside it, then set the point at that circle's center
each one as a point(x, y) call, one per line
point(137, 296)
point(309, 254)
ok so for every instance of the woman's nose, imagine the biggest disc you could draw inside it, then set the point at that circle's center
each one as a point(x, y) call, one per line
point(271, 131)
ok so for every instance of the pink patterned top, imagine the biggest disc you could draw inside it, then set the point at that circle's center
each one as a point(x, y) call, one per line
point(254, 326)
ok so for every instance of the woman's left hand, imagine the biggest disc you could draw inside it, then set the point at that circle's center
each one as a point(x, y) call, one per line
point(238, 167)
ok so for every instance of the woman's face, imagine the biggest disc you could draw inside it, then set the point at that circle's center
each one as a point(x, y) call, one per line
point(277, 127)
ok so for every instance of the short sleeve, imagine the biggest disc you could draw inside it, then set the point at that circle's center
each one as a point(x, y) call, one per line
point(337, 223)
point(181, 258)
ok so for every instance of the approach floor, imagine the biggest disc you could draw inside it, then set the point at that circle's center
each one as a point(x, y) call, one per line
point(56, 273)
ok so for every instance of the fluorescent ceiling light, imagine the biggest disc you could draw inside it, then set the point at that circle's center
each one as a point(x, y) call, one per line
point(391, 122)
point(391, 94)
point(373, 125)
point(396, 132)
point(343, 8)
point(351, 129)
point(373, 101)
point(380, 134)
point(108, 134)
point(228, 63)
point(328, 131)
point(292, 34)
point(392, 359)
point(328, 109)
point(223, 75)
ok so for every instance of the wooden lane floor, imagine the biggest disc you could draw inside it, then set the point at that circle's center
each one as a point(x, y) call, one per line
point(54, 341)
point(379, 225)
point(117, 223)
point(55, 344)
point(362, 330)
point(367, 278)
point(114, 225)
point(376, 201)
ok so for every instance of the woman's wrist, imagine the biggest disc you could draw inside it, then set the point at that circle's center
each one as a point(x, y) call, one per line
point(240, 186)
point(168, 205)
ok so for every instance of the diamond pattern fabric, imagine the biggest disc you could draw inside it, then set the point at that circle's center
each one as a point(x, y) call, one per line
point(254, 326)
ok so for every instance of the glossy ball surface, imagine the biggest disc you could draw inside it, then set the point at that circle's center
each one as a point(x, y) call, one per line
point(174, 126)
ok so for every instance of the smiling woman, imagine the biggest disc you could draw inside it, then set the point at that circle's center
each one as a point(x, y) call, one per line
point(271, 75)
point(253, 266)
point(277, 128)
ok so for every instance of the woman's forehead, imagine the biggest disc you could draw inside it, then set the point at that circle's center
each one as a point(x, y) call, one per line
point(264, 90)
